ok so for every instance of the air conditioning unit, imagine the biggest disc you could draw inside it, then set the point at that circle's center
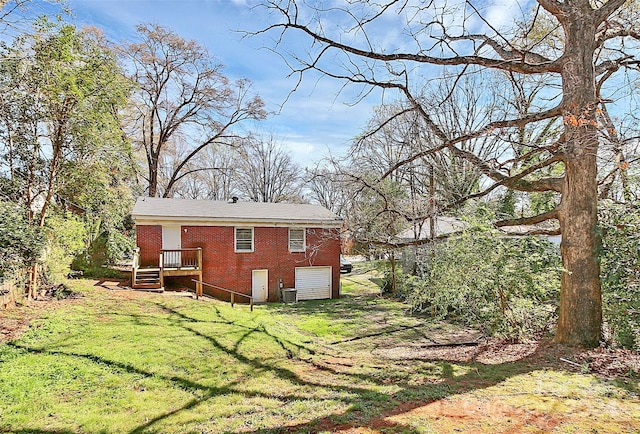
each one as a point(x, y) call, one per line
point(289, 295)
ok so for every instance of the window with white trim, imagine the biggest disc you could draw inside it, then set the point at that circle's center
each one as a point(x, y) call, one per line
point(296, 240)
point(244, 239)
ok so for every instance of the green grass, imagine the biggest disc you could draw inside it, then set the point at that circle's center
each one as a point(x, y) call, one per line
point(112, 363)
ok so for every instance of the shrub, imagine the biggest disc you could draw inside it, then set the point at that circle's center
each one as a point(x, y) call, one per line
point(620, 273)
point(66, 235)
point(107, 248)
point(21, 243)
point(119, 245)
point(508, 286)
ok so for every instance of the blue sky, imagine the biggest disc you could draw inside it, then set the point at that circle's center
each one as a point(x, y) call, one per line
point(318, 119)
point(314, 121)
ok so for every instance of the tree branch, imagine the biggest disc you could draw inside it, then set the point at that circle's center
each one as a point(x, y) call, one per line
point(549, 215)
point(501, 64)
point(607, 9)
point(449, 143)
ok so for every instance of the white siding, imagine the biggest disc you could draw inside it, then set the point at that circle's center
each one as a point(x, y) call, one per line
point(313, 283)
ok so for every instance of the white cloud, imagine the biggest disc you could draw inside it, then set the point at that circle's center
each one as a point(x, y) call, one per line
point(314, 119)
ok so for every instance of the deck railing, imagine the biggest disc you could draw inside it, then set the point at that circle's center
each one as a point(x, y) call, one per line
point(171, 262)
point(135, 265)
point(136, 257)
point(181, 258)
point(200, 284)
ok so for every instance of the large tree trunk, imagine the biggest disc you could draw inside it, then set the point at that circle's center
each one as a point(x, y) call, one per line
point(580, 317)
point(153, 179)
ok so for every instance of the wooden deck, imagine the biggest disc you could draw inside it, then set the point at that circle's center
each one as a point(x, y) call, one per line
point(171, 263)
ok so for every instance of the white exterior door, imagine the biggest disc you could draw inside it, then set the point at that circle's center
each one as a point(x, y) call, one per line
point(259, 285)
point(172, 240)
point(313, 283)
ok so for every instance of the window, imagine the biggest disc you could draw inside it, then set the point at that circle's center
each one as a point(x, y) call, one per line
point(244, 239)
point(296, 240)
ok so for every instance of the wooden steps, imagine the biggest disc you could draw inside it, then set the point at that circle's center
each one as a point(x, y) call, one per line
point(147, 279)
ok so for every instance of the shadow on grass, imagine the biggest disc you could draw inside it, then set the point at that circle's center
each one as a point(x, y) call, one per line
point(365, 406)
point(358, 396)
point(347, 307)
point(42, 431)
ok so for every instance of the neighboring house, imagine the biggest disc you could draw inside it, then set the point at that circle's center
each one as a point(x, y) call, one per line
point(446, 225)
point(443, 225)
point(248, 247)
point(524, 230)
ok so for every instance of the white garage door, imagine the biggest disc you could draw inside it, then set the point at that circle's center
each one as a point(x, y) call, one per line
point(313, 283)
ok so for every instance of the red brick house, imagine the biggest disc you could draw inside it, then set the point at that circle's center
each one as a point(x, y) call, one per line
point(248, 247)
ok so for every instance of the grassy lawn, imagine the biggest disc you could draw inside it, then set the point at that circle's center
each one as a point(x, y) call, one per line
point(119, 361)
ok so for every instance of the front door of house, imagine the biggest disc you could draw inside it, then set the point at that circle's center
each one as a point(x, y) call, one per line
point(259, 285)
point(172, 241)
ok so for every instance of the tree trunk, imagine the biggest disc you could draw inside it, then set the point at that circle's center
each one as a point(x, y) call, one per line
point(580, 316)
point(32, 284)
point(153, 179)
point(393, 273)
point(56, 147)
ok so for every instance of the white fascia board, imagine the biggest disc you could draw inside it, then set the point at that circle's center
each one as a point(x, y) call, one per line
point(200, 221)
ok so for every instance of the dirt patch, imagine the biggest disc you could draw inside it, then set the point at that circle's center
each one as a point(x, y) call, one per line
point(468, 415)
point(609, 363)
point(474, 415)
point(465, 412)
point(114, 284)
point(12, 327)
point(602, 362)
point(453, 344)
point(15, 321)
point(122, 289)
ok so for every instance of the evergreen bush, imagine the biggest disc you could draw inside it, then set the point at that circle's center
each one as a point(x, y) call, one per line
point(21, 243)
point(620, 273)
point(508, 286)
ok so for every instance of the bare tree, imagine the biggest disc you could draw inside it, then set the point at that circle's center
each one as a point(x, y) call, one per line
point(12, 14)
point(429, 185)
point(324, 186)
point(381, 208)
point(182, 92)
point(213, 175)
point(266, 172)
point(574, 45)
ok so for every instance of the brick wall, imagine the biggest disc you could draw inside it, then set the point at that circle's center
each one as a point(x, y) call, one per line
point(149, 239)
point(225, 268)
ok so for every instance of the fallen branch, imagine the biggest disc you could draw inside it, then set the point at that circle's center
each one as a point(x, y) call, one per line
point(578, 365)
point(452, 344)
point(384, 332)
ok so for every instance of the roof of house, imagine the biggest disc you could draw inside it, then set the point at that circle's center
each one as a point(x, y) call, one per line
point(209, 211)
point(444, 225)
